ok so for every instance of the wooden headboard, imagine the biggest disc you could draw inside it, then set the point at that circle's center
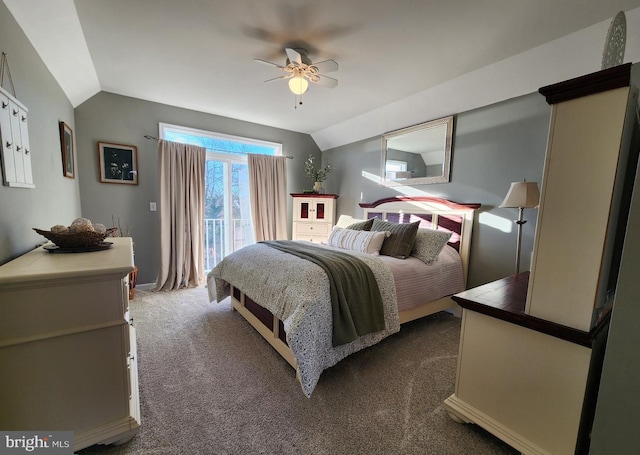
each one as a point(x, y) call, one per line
point(433, 213)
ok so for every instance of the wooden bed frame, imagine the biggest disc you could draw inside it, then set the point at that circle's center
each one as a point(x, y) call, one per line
point(431, 211)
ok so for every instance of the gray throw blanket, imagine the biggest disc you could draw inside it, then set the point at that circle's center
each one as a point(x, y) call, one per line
point(357, 307)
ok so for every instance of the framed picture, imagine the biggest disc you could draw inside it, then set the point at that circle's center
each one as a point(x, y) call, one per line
point(66, 144)
point(118, 163)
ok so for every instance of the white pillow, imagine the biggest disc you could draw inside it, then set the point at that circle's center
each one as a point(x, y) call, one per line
point(361, 241)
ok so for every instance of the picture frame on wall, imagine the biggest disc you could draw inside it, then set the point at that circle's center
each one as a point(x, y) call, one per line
point(66, 146)
point(118, 163)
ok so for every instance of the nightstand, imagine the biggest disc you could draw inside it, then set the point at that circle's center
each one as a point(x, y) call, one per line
point(313, 216)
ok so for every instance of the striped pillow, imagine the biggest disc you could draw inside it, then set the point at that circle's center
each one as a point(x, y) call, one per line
point(360, 241)
point(400, 243)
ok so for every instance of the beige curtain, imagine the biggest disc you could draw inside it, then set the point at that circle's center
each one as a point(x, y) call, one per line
point(181, 215)
point(268, 196)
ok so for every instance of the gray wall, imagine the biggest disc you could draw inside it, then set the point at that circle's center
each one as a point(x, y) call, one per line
point(492, 147)
point(55, 199)
point(123, 120)
point(615, 427)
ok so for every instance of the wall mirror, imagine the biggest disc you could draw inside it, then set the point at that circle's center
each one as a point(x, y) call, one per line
point(417, 155)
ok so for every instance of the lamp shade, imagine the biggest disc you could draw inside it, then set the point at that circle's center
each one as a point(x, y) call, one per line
point(298, 85)
point(522, 195)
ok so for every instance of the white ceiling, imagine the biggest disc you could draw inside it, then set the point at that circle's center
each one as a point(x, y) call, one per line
point(198, 54)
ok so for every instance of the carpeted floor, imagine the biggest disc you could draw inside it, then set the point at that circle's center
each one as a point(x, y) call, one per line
point(209, 384)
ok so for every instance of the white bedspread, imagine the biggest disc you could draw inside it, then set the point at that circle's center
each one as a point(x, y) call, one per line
point(418, 283)
point(297, 292)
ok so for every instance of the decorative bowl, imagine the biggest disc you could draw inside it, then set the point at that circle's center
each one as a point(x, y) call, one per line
point(77, 239)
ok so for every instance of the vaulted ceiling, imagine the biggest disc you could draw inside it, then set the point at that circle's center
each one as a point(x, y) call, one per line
point(199, 54)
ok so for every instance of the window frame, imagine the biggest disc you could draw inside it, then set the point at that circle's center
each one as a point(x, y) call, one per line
point(220, 155)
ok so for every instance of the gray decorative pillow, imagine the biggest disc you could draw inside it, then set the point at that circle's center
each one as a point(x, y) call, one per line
point(361, 226)
point(400, 243)
point(347, 220)
point(429, 243)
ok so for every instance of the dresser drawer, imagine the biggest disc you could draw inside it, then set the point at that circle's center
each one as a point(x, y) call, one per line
point(43, 312)
point(306, 229)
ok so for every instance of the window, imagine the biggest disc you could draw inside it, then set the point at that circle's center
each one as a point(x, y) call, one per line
point(395, 168)
point(228, 225)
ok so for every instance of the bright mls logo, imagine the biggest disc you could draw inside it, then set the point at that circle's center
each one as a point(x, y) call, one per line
point(36, 442)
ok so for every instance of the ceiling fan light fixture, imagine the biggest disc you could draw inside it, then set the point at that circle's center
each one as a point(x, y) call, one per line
point(298, 85)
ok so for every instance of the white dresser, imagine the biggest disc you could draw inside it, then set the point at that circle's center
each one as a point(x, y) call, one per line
point(532, 346)
point(67, 347)
point(313, 216)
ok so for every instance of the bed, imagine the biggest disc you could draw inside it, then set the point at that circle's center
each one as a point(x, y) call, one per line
point(286, 298)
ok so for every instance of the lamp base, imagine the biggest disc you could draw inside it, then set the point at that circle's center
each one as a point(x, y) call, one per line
point(519, 222)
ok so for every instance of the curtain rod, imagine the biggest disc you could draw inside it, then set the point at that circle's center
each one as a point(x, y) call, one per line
point(147, 136)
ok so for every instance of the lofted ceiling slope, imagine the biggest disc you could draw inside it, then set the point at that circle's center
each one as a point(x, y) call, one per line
point(198, 54)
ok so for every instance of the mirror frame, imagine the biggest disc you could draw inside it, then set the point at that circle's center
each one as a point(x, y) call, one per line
point(444, 178)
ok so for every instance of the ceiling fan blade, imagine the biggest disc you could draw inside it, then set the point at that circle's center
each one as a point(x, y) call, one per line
point(286, 76)
point(326, 81)
point(294, 56)
point(269, 63)
point(326, 66)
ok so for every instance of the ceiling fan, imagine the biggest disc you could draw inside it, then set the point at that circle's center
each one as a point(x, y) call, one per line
point(300, 71)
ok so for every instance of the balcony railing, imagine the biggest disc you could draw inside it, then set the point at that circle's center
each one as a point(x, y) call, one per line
point(222, 238)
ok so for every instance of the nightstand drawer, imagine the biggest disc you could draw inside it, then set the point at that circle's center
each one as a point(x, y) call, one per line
point(313, 238)
point(306, 229)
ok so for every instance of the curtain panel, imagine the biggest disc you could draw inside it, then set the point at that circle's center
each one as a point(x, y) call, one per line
point(268, 196)
point(181, 180)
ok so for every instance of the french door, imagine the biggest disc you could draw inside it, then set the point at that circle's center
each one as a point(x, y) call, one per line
point(227, 215)
point(227, 209)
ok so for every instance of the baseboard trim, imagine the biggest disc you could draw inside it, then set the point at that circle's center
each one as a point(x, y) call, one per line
point(145, 286)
